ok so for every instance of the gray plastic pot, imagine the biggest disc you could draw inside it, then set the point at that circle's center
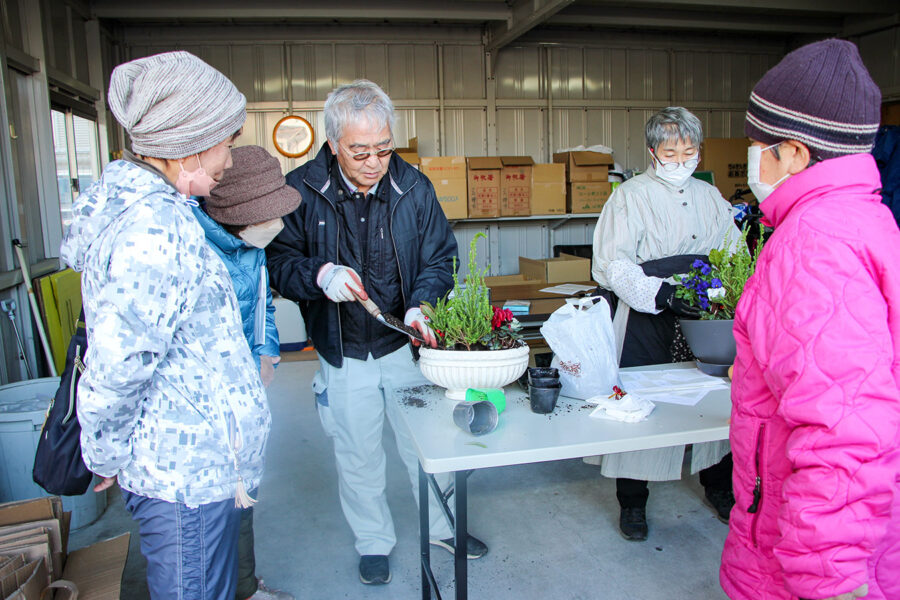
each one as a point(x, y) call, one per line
point(711, 341)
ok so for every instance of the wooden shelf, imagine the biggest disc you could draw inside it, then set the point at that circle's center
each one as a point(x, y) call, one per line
point(563, 218)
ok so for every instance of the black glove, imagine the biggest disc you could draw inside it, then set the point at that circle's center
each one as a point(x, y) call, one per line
point(665, 298)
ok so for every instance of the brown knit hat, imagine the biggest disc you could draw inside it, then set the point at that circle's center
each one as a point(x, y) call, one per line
point(252, 190)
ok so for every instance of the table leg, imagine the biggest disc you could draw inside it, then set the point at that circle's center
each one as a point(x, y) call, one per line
point(462, 536)
point(424, 546)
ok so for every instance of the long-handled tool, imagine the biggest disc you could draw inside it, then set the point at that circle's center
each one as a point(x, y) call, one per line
point(389, 320)
point(9, 307)
point(23, 265)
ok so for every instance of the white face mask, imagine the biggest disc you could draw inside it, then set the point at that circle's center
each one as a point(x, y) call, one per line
point(675, 173)
point(759, 188)
point(262, 234)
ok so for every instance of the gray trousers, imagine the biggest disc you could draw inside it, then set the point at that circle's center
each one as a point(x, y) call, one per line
point(353, 402)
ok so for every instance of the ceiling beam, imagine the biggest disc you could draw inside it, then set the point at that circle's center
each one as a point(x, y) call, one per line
point(843, 7)
point(526, 15)
point(854, 26)
point(616, 17)
point(324, 10)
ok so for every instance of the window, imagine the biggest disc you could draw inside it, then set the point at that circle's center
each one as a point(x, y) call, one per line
point(77, 151)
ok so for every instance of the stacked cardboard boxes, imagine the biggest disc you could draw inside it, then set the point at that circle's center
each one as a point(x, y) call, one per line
point(548, 189)
point(727, 159)
point(587, 177)
point(484, 186)
point(448, 175)
point(410, 153)
point(34, 536)
point(515, 186)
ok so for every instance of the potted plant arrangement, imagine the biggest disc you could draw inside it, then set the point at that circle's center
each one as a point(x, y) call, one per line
point(479, 345)
point(715, 286)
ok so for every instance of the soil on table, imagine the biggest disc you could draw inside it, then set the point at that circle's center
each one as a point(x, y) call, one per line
point(395, 322)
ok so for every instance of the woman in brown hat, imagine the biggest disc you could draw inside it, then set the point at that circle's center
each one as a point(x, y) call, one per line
point(240, 217)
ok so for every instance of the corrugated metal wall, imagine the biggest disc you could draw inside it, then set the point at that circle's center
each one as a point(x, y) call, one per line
point(539, 99)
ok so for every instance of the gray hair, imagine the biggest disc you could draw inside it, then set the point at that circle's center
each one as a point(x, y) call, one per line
point(349, 102)
point(673, 123)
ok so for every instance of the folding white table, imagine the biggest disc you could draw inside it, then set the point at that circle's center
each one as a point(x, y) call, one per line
point(525, 437)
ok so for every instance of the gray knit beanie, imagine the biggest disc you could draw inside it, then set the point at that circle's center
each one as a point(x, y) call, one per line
point(174, 105)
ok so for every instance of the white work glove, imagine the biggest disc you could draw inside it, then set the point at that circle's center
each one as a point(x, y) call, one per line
point(415, 319)
point(340, 283)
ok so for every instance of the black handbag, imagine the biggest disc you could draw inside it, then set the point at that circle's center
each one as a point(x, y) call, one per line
point(58, 465)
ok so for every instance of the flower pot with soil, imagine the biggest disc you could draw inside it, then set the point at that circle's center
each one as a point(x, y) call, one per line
point(715, 288)
point(479, 346)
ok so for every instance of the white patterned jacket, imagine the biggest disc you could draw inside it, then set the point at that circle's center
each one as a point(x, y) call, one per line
point(171, 401)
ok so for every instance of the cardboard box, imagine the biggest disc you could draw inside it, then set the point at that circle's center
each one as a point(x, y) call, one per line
point(96, 570)
point(727, 159)
point(548, 189)
point(410, 153)
point(448, 175)
point(565, 269)
point(515, 186)
point(542, 303)
point(584, 197)
point(484, 186)
point(497, 280)
point(585, 165)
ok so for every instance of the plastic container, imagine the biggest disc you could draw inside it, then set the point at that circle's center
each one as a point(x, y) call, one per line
point(493, 395)
point(477, 418)
point(22, 409)
point(543, 399)
point(543, 372)
point(544, 382)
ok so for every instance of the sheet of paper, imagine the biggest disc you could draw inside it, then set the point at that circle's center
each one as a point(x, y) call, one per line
point(669, 381)
point(683, 398)
point(567, 289)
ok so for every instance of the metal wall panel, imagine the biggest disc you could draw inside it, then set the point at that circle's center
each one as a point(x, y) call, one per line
point(312, 71)
point(520, 73)
point(647, 74)
point(605, 73)
point(521, 132)
point(881, 54)
point(466, 132)
point(464, 75)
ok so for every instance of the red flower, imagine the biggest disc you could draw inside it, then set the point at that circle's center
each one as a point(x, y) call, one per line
point(501, 317)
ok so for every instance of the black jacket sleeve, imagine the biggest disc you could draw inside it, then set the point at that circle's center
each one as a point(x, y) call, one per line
point(292, 265)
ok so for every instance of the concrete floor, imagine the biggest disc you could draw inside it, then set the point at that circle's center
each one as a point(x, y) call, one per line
point(551, 527)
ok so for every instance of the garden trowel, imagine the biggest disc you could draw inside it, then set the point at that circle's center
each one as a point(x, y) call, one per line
point(389, 320)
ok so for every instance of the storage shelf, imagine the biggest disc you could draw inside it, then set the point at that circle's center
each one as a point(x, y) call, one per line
point(563, 218)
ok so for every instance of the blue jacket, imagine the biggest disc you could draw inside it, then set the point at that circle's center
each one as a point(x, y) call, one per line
point(422, 244)
point(247, 266)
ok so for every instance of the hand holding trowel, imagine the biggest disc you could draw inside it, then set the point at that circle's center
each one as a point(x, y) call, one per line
point(409, 328)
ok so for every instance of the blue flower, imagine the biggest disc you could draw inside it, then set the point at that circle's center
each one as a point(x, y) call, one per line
point(716, 282)
point(705, 269)
point(697, 264)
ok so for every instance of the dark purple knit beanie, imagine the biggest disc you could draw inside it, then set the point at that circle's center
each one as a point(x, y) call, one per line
point(821, 95)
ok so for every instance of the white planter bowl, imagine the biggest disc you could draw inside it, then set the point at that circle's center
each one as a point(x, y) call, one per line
point(458, 370)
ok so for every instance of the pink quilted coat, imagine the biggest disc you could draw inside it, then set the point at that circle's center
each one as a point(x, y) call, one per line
point(815, 426)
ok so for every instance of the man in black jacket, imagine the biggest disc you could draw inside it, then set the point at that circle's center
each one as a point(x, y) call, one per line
point(369, 226)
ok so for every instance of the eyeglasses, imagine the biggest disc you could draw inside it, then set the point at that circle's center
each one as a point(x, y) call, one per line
point(361, 156)
point(690, 163)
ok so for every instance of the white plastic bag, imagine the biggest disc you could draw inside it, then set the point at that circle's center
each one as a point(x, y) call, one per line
point(584, 349)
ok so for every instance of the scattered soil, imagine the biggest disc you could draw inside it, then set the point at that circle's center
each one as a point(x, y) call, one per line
point(395, 322)
point(414, 402)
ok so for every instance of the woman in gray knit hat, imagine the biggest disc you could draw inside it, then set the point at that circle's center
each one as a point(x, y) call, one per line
point(240, 217)
point(171, 403)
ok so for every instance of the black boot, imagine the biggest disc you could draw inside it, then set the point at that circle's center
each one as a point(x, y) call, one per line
point(632, 495)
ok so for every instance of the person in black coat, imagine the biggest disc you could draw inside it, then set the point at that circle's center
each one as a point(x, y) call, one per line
point(369, 226)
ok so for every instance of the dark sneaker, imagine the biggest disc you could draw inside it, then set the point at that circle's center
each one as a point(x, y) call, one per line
point(633, 524)
point(374, 569)
point(721, 501)
point(475, 548)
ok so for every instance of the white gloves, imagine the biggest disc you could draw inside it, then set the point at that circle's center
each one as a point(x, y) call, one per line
point(340, 283)
point(415, 319)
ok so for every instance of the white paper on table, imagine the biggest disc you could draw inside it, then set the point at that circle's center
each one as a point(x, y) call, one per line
point(567, 289)
point(682, 398)
point(669, 381)
point(630, 408)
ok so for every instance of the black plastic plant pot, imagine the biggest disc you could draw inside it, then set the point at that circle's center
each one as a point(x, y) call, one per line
point(543, 399)
point(543, 372)
point(544, 382)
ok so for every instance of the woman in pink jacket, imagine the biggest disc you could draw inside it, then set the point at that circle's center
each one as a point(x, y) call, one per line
point(815, 426)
